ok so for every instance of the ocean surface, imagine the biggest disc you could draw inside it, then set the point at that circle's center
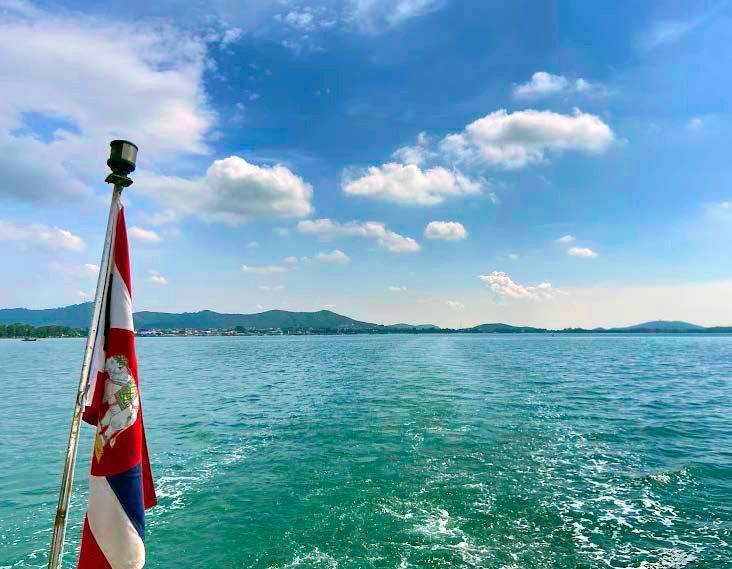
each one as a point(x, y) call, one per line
point(521, 451)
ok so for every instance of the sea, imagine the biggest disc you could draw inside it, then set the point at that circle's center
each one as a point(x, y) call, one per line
point(396, 451)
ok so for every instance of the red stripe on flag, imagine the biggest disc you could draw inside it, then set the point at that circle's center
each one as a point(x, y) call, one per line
point(90, 556)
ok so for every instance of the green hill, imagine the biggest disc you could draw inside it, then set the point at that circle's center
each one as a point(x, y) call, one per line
point(74, 316)
point(323, 319)
point(78, 316)
point(504, 329)
point(662, 326)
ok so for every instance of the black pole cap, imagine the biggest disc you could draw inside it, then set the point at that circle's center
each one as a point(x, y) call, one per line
point(122, 157)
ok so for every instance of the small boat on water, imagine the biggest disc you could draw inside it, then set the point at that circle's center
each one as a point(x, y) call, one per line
point(29, 340)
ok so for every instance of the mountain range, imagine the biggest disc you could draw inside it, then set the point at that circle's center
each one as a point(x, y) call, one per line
point(78, 316)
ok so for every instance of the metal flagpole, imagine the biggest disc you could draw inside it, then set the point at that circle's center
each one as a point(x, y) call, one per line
point(122, 162)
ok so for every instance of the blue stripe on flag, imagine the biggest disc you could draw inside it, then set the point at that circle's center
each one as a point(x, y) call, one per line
point(128, 489)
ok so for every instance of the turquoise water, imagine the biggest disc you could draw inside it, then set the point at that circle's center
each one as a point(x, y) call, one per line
point(398, 451)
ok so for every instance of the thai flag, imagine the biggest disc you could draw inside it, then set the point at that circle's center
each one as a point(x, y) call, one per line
point(120, 486)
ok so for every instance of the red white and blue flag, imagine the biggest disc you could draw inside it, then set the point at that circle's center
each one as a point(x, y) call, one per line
point(120, 486)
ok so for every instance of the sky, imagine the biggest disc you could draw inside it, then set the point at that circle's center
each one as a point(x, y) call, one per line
point(450, 162)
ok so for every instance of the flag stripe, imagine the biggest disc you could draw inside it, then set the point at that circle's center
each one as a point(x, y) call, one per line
point(93, 557)
point(113, 531)
point(120, 310)
point(128, 489)
point(122, 252)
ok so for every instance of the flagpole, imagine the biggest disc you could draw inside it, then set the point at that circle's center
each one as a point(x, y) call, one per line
point(122, 162)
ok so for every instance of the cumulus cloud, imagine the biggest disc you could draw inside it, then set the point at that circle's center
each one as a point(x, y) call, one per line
point(409, 184)
point(566, 239)
point(387, 239)
point(233, 191)
point(336, 257)
point(43, 236)
point(263, 269)
point(543, 84)
point(291, 260)
point(47, 65)
point(581, 252)
point(445, 230)
point(154, 277)
point(504, 286)
point(142, 234)
point(416, 154)
point(515, 140)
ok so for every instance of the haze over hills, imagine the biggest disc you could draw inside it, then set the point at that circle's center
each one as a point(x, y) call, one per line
point(78, 316)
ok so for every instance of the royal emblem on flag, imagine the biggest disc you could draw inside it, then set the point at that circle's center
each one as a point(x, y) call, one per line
point(122, 403)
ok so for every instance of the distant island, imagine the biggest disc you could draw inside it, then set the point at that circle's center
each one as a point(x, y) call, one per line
point(73, 321)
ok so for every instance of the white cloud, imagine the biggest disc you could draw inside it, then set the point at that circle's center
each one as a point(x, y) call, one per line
point(695, 123)
point(409, 184)
point(84, 296)
point(454, 305)
point(566, 239)
point(581, 252)
point(397, 289)
point(48, 64)
point(253, 245)
point(272, 288)
point(543, 84)
point(666, 32)
point(303, 20)
point(90, 269)
point(232, 35)
point(336, 257)
point(141, 234)
point(37, 235)
point(513, 256)
point(416, 154)
point(85, 271)
point(233, 191)
point(291, 260)
point(504, 286)
point(154, 277)
point(263, 269)
point(445, 230)
point(387, 239)
point(376, 16)
point(515, 140)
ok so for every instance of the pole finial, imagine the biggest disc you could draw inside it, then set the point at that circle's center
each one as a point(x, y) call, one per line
point(122, 161)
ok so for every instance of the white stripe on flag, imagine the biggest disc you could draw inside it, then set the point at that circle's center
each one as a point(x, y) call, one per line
point(120, 310)
point(112, 529)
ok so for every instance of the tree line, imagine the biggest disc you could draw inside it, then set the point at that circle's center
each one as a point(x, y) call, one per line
point(28, 331)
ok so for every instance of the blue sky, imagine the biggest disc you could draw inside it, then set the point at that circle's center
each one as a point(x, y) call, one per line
point(450, 162)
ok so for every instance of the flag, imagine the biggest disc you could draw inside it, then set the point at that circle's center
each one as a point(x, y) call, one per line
point(120, 485)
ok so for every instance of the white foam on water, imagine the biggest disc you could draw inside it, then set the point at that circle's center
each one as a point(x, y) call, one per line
point(314, 558)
